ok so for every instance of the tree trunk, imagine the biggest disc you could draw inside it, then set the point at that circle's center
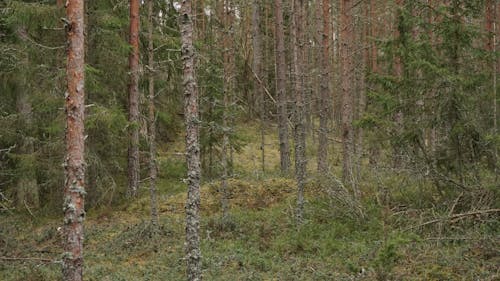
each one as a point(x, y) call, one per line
point(346, 49)
point(257, 68)
point(227, 84)
point(398, 72)
point(300, 136)
point(324, 103)
point(27, 192)
point(74, 166)
point(281, 88)
point(491, 28)
point(133, 101)
point(191, 113)
point(152, 118)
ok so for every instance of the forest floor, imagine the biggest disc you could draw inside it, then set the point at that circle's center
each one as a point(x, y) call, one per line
point(397, 232)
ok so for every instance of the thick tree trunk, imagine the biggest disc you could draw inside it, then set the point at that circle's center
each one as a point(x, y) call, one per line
point(152, 118)
point(74, 166)
point(300, 134)
point(133, 101)
point(346, 50)
point(281, 88)
point(191, 113)
point(325, 103)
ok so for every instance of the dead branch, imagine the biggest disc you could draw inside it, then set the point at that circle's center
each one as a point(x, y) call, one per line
point(456, 216)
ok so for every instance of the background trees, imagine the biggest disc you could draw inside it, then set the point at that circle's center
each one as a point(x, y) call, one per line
point(394, 103)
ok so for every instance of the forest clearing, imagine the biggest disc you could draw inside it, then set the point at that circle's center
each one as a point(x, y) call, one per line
point(249, 140)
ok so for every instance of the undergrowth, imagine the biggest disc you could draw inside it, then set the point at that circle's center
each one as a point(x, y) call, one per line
point(401, 229)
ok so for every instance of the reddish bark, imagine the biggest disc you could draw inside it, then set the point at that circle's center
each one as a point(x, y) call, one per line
point(74, 166)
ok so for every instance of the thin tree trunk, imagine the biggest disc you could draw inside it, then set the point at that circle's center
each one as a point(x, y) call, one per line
point(324, 91)
point(151, 118)
point(491, 46)
point(226, 46)
point(281, 88)
point(27, 187)
point(133, 101)
point(74, 165)
point(362, 86)
point(191, 113)
point(257, 67)
point(398, 71)
point(300, 134)
point(346, 47)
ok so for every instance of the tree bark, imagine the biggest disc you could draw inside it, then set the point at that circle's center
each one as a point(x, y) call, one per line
point(324, 103)
point(257, 67)
point(398, 72)
point(192, 120)
point(133, 101)
point(74, 166)
point(300, 134)
point(152, 120)
point(281, 88)
point(27, 192)
point(346, 53)
point(227, 89)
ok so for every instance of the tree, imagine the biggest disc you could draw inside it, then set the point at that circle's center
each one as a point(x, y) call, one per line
point(133, 100)
point(324, 102)
point(281, 88)
point(227, 91)
point(257, 67)
point(297, 35)
point(346, 53)
point(151, 119)
point(74, 166)
point(193, 252)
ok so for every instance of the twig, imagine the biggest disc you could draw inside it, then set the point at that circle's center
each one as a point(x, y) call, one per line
point(262, 85)
point(28, 208)
point(457, 216)
point(28, 259)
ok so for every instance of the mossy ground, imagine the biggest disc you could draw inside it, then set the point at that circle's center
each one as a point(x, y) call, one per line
point(262, 240)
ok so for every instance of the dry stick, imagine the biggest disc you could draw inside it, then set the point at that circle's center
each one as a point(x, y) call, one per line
point(457, 216)
point(28, 259)
point(262, 85)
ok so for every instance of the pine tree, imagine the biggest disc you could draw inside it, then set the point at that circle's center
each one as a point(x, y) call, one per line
point(74, 166)
point(193, 252)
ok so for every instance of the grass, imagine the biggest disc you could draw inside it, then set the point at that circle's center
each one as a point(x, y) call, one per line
point(262, 242)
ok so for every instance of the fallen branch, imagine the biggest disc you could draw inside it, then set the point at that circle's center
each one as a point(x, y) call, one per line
point(28, 259)
point(457, 216)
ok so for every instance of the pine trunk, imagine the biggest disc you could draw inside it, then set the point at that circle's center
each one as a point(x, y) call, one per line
point(300, 134)
point(281, 70)
point(27, 192)
point(324, 103)
point(257, 68)
point(191, 113)
point(227, 84)
point(74, 166)
point(151, 118)
point(346, 53)
point(133, 100)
